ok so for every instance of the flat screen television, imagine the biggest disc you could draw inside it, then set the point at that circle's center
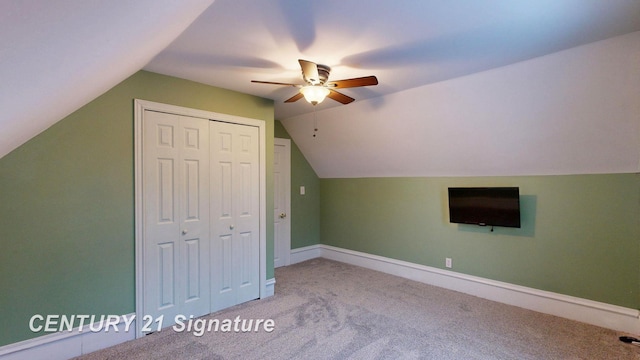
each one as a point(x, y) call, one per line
point(485, 206)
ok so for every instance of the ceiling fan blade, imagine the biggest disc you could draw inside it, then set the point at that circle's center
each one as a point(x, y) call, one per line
point(355, 82)
point(294, 98)
point(273, 83)
point(339, 97)
point(309, 71)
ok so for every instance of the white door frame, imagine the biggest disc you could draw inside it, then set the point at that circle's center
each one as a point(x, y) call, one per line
point(139, 107)
point(287, 144)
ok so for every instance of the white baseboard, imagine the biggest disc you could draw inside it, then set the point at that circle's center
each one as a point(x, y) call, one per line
point(68, 344)
point(269, 287)
point(588, 311)
point(306, 253)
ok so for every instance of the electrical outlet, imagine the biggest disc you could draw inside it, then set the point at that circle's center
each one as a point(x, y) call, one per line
point(448, 262)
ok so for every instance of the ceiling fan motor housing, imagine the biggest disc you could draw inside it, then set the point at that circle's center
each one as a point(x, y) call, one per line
point(323, 75)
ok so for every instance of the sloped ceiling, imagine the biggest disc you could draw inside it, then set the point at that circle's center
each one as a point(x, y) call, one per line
point(442, 60)
point(56, 56)
point(466, 88)
point(572, 112)
point(406, 44)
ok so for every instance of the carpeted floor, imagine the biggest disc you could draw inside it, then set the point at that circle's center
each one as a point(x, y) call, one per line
point(324, 309)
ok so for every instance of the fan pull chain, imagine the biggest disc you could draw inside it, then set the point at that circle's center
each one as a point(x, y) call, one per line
point(315, 122)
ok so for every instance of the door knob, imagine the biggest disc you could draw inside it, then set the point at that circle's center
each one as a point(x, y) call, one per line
point(185, 231)
point(231, 227)
point(283, 215)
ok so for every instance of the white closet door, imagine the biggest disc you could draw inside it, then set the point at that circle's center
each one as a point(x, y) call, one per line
point(235, 222)
point(176, 216)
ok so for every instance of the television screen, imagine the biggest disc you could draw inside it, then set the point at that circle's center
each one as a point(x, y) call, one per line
point(493, 206)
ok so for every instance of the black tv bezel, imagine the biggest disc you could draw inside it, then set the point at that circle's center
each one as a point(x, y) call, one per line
point(487, 190)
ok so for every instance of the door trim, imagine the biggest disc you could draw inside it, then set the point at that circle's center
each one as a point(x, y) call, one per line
point(139, 108)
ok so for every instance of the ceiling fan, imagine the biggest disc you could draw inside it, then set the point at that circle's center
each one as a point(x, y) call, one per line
point(317, 87)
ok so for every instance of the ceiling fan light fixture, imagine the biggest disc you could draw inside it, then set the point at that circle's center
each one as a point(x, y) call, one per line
point(317, 88)
point(314, 94)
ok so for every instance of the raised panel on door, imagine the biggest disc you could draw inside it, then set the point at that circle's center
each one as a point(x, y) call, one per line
point(166, 275)
point(246, 267)
point(176, 216)
point(193, 264)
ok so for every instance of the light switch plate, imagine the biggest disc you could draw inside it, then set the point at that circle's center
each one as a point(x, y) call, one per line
point(302, 190)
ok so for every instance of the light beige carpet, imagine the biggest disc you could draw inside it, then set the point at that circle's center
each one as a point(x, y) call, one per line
point(324, 309)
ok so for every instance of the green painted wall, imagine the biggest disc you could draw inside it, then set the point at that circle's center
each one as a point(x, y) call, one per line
point(66, 203)
point(305, 209)
point(580, 234)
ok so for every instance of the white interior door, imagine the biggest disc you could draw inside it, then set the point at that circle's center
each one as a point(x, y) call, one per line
point(235, 221)
point(176, 216)
point(282, 202)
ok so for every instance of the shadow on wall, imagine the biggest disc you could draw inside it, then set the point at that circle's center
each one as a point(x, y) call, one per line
point(528, 206)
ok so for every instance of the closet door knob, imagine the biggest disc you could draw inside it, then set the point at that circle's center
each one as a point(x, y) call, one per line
point(185, 231)
point(231, 227)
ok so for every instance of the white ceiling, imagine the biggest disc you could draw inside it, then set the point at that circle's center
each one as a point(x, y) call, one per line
point(56, 56)
point(406, 44)
point(571, 112)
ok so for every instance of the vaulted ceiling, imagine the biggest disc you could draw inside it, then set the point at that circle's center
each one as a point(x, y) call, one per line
point(485, 75)
point(56, 56)
point(406, 44)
